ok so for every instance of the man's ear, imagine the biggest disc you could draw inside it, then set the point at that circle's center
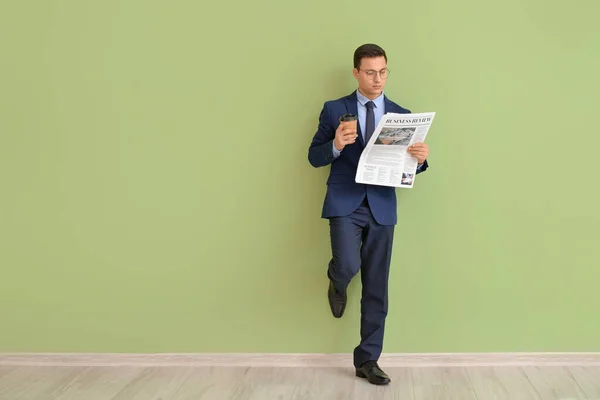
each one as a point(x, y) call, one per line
point(355, 73)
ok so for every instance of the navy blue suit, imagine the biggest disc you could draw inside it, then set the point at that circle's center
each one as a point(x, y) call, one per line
point(361, 219)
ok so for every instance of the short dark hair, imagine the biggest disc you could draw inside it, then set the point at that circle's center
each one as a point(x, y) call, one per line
point(368, 50)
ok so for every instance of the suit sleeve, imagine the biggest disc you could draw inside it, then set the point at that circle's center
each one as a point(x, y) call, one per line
point(320, 152)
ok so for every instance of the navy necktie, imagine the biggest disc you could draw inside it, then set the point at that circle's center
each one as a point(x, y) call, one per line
point(370, 123)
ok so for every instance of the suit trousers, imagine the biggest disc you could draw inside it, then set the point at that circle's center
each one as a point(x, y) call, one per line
point(358, 242)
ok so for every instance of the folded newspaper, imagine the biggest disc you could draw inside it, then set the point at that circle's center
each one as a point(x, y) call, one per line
point(385, 161)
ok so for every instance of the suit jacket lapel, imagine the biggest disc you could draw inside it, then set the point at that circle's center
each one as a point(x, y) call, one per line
point(389, 106)
point(353, 109)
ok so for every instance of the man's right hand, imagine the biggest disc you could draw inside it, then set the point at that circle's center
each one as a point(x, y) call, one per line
point(345, 134)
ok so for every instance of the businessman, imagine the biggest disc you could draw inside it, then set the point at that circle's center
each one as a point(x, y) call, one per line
point(361, 217)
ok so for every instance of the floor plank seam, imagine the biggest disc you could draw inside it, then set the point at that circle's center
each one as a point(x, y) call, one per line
point(471, 383)
point(537, 392)
point(412, 384)
point(576, 381)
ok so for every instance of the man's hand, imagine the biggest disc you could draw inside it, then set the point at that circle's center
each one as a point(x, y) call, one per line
point(345, 134)
point(419, 151)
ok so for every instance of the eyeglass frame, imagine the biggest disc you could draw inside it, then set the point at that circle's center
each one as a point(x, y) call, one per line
point(387, 71)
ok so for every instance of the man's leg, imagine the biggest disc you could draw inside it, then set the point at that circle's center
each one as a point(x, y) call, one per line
point(346, 239)
point(376, 256)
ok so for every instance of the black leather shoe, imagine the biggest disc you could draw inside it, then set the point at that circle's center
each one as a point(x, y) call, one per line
point(337, 301)
point(373, 373)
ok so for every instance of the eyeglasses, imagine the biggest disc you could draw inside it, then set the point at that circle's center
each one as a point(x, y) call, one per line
point(384, 73)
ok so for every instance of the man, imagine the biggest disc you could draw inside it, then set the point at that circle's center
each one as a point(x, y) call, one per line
point(361, 217)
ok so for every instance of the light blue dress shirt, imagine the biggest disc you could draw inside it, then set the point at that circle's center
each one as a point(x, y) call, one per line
point(378, 110)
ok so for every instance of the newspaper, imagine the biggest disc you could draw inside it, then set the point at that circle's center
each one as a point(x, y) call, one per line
point(385, 161)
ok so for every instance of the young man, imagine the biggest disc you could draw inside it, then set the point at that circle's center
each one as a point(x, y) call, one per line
point(361, 217)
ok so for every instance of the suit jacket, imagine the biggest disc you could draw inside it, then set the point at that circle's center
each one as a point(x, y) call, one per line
point(344, 195)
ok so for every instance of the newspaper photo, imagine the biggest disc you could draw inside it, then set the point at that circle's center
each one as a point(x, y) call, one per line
point(385, 161)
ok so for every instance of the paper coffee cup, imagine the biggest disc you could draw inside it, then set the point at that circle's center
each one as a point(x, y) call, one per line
point(349, 119)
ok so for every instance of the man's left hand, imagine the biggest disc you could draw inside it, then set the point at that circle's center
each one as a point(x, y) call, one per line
point(419, 151)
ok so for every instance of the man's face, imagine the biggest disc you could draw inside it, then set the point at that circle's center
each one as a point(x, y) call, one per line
point(368, 75)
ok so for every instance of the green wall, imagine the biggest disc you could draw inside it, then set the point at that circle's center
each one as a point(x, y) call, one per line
point(156, 194)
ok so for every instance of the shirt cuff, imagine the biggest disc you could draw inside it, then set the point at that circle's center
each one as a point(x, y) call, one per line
point(336, 152)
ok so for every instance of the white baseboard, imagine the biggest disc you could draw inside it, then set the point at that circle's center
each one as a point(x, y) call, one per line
point(297, 360)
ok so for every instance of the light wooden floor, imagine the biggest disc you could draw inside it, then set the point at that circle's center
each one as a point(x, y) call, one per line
point(225, 383)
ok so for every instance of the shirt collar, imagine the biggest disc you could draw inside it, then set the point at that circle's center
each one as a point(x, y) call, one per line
point(363, 100)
